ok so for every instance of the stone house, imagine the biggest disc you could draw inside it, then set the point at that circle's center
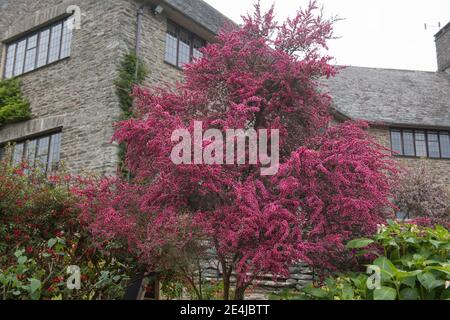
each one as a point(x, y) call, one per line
point(68, 75)
point(68, 72)
point(409, 111)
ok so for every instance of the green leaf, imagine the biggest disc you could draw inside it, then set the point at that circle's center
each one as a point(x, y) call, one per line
point(435, 243)
point(445, 270)
point(22, 260)
point(19, 253)
point(400, 274)
point(409, 294)
point(347, 292)
point(385, 293)
point(35, 285)
point(359, 243)
point(411, 240)
point(387, 268)
point(410, 281)
point(317, 293)
point(429, 282)
point(51, 242)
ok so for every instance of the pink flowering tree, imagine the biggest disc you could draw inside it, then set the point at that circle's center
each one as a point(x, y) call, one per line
point(332, 184)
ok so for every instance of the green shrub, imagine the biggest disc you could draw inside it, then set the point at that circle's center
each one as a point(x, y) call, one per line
point(41, 272)
point(41, 235)
point(13, 106)
point(413, 264)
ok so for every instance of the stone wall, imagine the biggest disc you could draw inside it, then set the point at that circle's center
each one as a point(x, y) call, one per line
point(153, 43)
point(79, 90)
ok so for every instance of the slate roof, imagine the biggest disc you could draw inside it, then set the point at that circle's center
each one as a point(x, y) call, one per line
point(201, 12)
point(394, 97)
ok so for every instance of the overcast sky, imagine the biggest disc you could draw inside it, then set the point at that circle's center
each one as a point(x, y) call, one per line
point(375, 33)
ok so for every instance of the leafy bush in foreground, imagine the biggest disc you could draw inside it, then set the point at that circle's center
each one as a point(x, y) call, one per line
point(41, 236)
point(413, 264)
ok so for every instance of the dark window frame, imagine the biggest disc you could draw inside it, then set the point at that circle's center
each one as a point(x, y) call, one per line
point(51, 135)
point(26, 38)
point(192, 38)
point(426, 133)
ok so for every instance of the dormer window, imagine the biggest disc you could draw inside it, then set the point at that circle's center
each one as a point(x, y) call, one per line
point(182, 46)
point(40, 48)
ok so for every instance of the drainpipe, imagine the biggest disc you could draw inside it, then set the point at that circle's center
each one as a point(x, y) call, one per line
point(140, 14)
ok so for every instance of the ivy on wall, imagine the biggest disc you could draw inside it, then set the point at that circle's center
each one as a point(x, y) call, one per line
point(128, 78)
point(14, 107)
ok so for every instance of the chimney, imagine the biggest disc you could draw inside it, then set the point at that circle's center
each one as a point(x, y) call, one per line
point(442, 39)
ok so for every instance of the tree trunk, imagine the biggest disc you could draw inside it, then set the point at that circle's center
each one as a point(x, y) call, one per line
point(226, 287)
point(240, 293)
point(226, 276)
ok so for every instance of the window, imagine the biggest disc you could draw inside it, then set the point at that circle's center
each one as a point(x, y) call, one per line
point(182, 46)
point(41, 152)
point(38, 49)
point(420, 143)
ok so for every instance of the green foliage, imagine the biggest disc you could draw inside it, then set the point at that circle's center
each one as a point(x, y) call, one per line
point(41, 235)
point(413, 261)
point(13, 106)
point(42, 274)
point(127, 79)
point(175, 287)
point(172, 288)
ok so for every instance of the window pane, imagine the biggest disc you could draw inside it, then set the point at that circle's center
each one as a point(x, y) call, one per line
point(171, 44)
point(445, 144)
point(408, 143)
point(20, 57)
point(396, 139)
point(30, 59)
point(43, 48)
point(433, 145)
point(9, 66)
point(421, 146)
point(54, 152)
point(55, 42)
point(31, 152)
point(184, 54)
point(32, 42)
point(67, 38)
point(30, 56)
point(42, 152)
point(18, 153)
point(197, 45)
